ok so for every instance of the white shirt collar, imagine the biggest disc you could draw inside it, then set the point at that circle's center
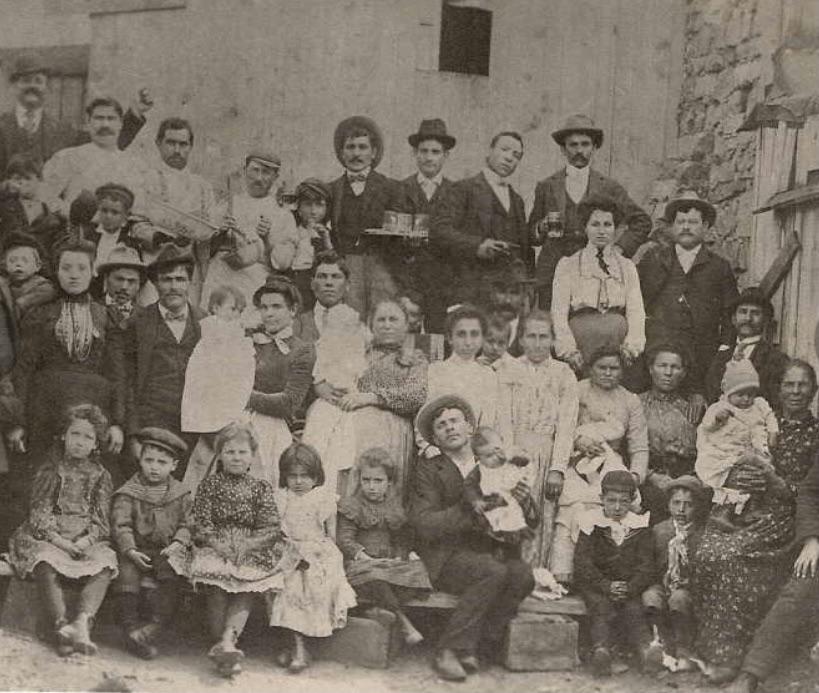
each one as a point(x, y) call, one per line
point(749, 340)
point(456, 360)
point(580, 173)
point(494, 179)
point(683, 252)
point(466, 466)
point(21, 114)
point(619, 530)
point(164, 312)
point(365, 172)
point(423, 180)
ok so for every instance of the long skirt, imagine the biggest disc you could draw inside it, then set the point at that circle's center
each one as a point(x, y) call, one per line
point(340, 437)
point(25, 552)
point(593, 331)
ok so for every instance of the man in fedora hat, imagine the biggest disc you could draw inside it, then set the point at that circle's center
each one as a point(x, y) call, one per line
point(751, 315)
point(559, 195)
point(360, 196)
point(459, 556)
point(123, 273)
point(431, 145)
point(688, 290)
point(31, 131)
point(480, 223)
point(150, 355)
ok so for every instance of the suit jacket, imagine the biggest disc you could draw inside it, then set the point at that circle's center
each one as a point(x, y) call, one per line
point(466, 214)
point(550, 196)
point(698, 307)
point(440, 515)
point(413, 198)
point(769, 362)
point(131, 353)
point(380, 195)
point(53, 135)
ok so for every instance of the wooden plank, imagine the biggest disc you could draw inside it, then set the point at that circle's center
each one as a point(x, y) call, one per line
point(780, 266)
point(790, 198)
point(113, 6)
point(568, 606)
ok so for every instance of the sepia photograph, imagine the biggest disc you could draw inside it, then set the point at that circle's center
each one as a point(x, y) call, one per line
point(409, 345)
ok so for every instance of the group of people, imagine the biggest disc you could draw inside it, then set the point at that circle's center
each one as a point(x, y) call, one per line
point(363, 390)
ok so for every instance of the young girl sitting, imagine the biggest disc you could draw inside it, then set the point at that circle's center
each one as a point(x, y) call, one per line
point(237, 542)
point(316, 594)
point(66, 535)
point(736, 431)
point(372, 535)
point(220, 372)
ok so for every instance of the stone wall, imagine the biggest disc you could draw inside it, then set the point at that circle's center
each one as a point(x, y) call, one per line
point(726, 71)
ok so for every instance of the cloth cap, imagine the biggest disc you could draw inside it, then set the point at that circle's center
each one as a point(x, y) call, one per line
point(619, 480)
point(311, 189)
point(739, 375)
point(19, 239)
point(117, 191)
point(686, 481)
point(163, 438)
point(265, 157)
point(426, 417)
point(581, 124)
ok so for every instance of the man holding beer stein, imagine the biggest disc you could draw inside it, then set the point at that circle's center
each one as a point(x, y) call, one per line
point(553, 223)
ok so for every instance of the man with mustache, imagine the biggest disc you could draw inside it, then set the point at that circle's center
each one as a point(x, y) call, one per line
point(150, 354)
point(73, 174)
point(688, 290)
point(31, 131)
point(360, 196)
point(751, 315)
point(563, 191)
point(479, 224)
point(123, 273)
point(169, 180)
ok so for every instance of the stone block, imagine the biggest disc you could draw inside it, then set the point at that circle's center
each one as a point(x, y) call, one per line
point(21, 608)
point(541, 642)
point(362, 642)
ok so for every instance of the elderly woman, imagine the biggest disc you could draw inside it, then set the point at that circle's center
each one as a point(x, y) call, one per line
point(536, 413)
point(63, 359)
point(377, 409)
point(611, 433)
point(737, 575)
point(596, 299)
point(672, 419)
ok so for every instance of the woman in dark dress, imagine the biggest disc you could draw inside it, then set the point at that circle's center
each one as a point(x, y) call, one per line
point(736, 576)
point(64, 359)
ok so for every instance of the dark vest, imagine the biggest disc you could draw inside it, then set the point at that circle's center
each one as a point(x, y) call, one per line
point(671, 310)
point(351, 220)
point(161, 403)
point(504, 226)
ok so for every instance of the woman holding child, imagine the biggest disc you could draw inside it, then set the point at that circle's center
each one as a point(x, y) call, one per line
point(738, 574)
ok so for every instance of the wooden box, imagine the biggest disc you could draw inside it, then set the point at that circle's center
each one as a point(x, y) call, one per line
point(363, 642)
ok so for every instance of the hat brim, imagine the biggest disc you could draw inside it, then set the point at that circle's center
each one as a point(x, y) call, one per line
point(109, 267)
point(356, 122)
point(753, 300)
point(447, 141)
point(425, 417)
point(708, 211)
point(559, 136)
point(690, 484)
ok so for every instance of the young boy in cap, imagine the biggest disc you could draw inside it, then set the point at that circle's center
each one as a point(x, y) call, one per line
point(23, 262)
point(613, 566)
point(148, 516)
point(114, 203)
point(668, 602)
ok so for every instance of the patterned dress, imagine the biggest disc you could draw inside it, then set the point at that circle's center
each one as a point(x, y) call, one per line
point(237, 513)
point(315, 598)
point(736, 576)
point(72, 500)
point(537, 407)
point(399, 378)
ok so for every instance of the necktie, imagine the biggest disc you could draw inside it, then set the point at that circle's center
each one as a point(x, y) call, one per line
point(600, 261)
point(740, 350)
point(357, 177)
point(29, 123)
point(429, 187)
point(175, 317)
point(325, 317)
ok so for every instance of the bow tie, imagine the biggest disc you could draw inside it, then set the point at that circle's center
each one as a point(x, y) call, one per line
point(357, 177)
point(175, 317)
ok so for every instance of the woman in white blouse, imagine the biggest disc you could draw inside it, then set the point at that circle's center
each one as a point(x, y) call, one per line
point(596, 299)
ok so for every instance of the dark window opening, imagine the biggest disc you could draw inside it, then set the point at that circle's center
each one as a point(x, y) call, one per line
point(466, 34)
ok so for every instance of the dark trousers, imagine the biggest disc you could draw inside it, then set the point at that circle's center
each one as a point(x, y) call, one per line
point(792, 619)
point(160, 596)
point(490, 592)
point(603, 611)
